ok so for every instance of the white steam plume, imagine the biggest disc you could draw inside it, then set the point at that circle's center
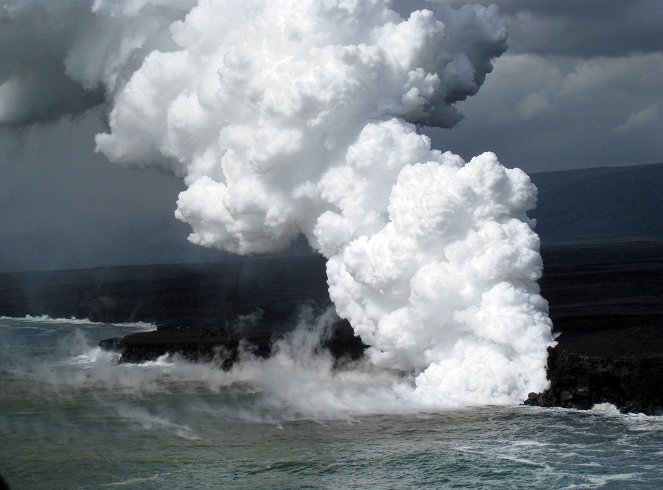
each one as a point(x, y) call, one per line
point(298, 116)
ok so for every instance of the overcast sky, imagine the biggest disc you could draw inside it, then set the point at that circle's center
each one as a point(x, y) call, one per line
point(580, 85)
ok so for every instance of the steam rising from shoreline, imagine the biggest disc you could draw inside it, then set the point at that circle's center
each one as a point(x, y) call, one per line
point(290, 117)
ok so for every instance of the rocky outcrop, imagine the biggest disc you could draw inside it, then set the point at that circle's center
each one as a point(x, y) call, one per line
point(581, 381)
point(605, 301)
point(223, 348)
point(193, 345)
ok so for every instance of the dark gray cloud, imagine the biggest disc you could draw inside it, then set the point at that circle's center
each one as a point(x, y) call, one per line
point(33, 82)
point(586, 28)
point(581, 85)
point(581, 28)
point(542, 114)
point(62, 58)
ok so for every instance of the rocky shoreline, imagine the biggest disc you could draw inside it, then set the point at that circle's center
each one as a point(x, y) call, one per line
point(616, 359)
point(223, 348)
point(633, 385)
point(605, 302)
point(581, 381)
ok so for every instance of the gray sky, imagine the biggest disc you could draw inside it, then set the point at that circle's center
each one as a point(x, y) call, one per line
point(580, 85)
point(62, 205)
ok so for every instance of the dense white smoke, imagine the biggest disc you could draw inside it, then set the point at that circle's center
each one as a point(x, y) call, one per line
point(299, 116)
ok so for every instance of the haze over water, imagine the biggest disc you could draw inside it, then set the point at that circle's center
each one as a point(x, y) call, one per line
point(71, 418)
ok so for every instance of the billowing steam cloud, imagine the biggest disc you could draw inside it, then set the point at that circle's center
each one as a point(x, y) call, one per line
point(299, 116)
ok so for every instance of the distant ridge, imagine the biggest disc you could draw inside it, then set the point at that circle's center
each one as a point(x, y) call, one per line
point(604, 204)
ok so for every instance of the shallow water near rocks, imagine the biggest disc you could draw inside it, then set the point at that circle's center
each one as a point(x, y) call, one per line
point(65, 425)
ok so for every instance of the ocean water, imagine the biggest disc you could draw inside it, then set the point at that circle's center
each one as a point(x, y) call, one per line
point(71, 417)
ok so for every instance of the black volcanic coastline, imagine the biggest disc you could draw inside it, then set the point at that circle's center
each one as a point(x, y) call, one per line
point(604, 301)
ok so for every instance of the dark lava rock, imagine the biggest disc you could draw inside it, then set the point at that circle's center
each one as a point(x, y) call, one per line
point(581, 381)
point(605, 301)
point(223, 348)
point(193, 345)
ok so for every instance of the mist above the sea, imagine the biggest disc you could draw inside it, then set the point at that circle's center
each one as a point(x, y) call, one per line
point(299, 380)
point(73, 415)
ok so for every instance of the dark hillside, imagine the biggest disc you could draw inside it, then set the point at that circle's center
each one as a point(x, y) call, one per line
point(600, 204)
